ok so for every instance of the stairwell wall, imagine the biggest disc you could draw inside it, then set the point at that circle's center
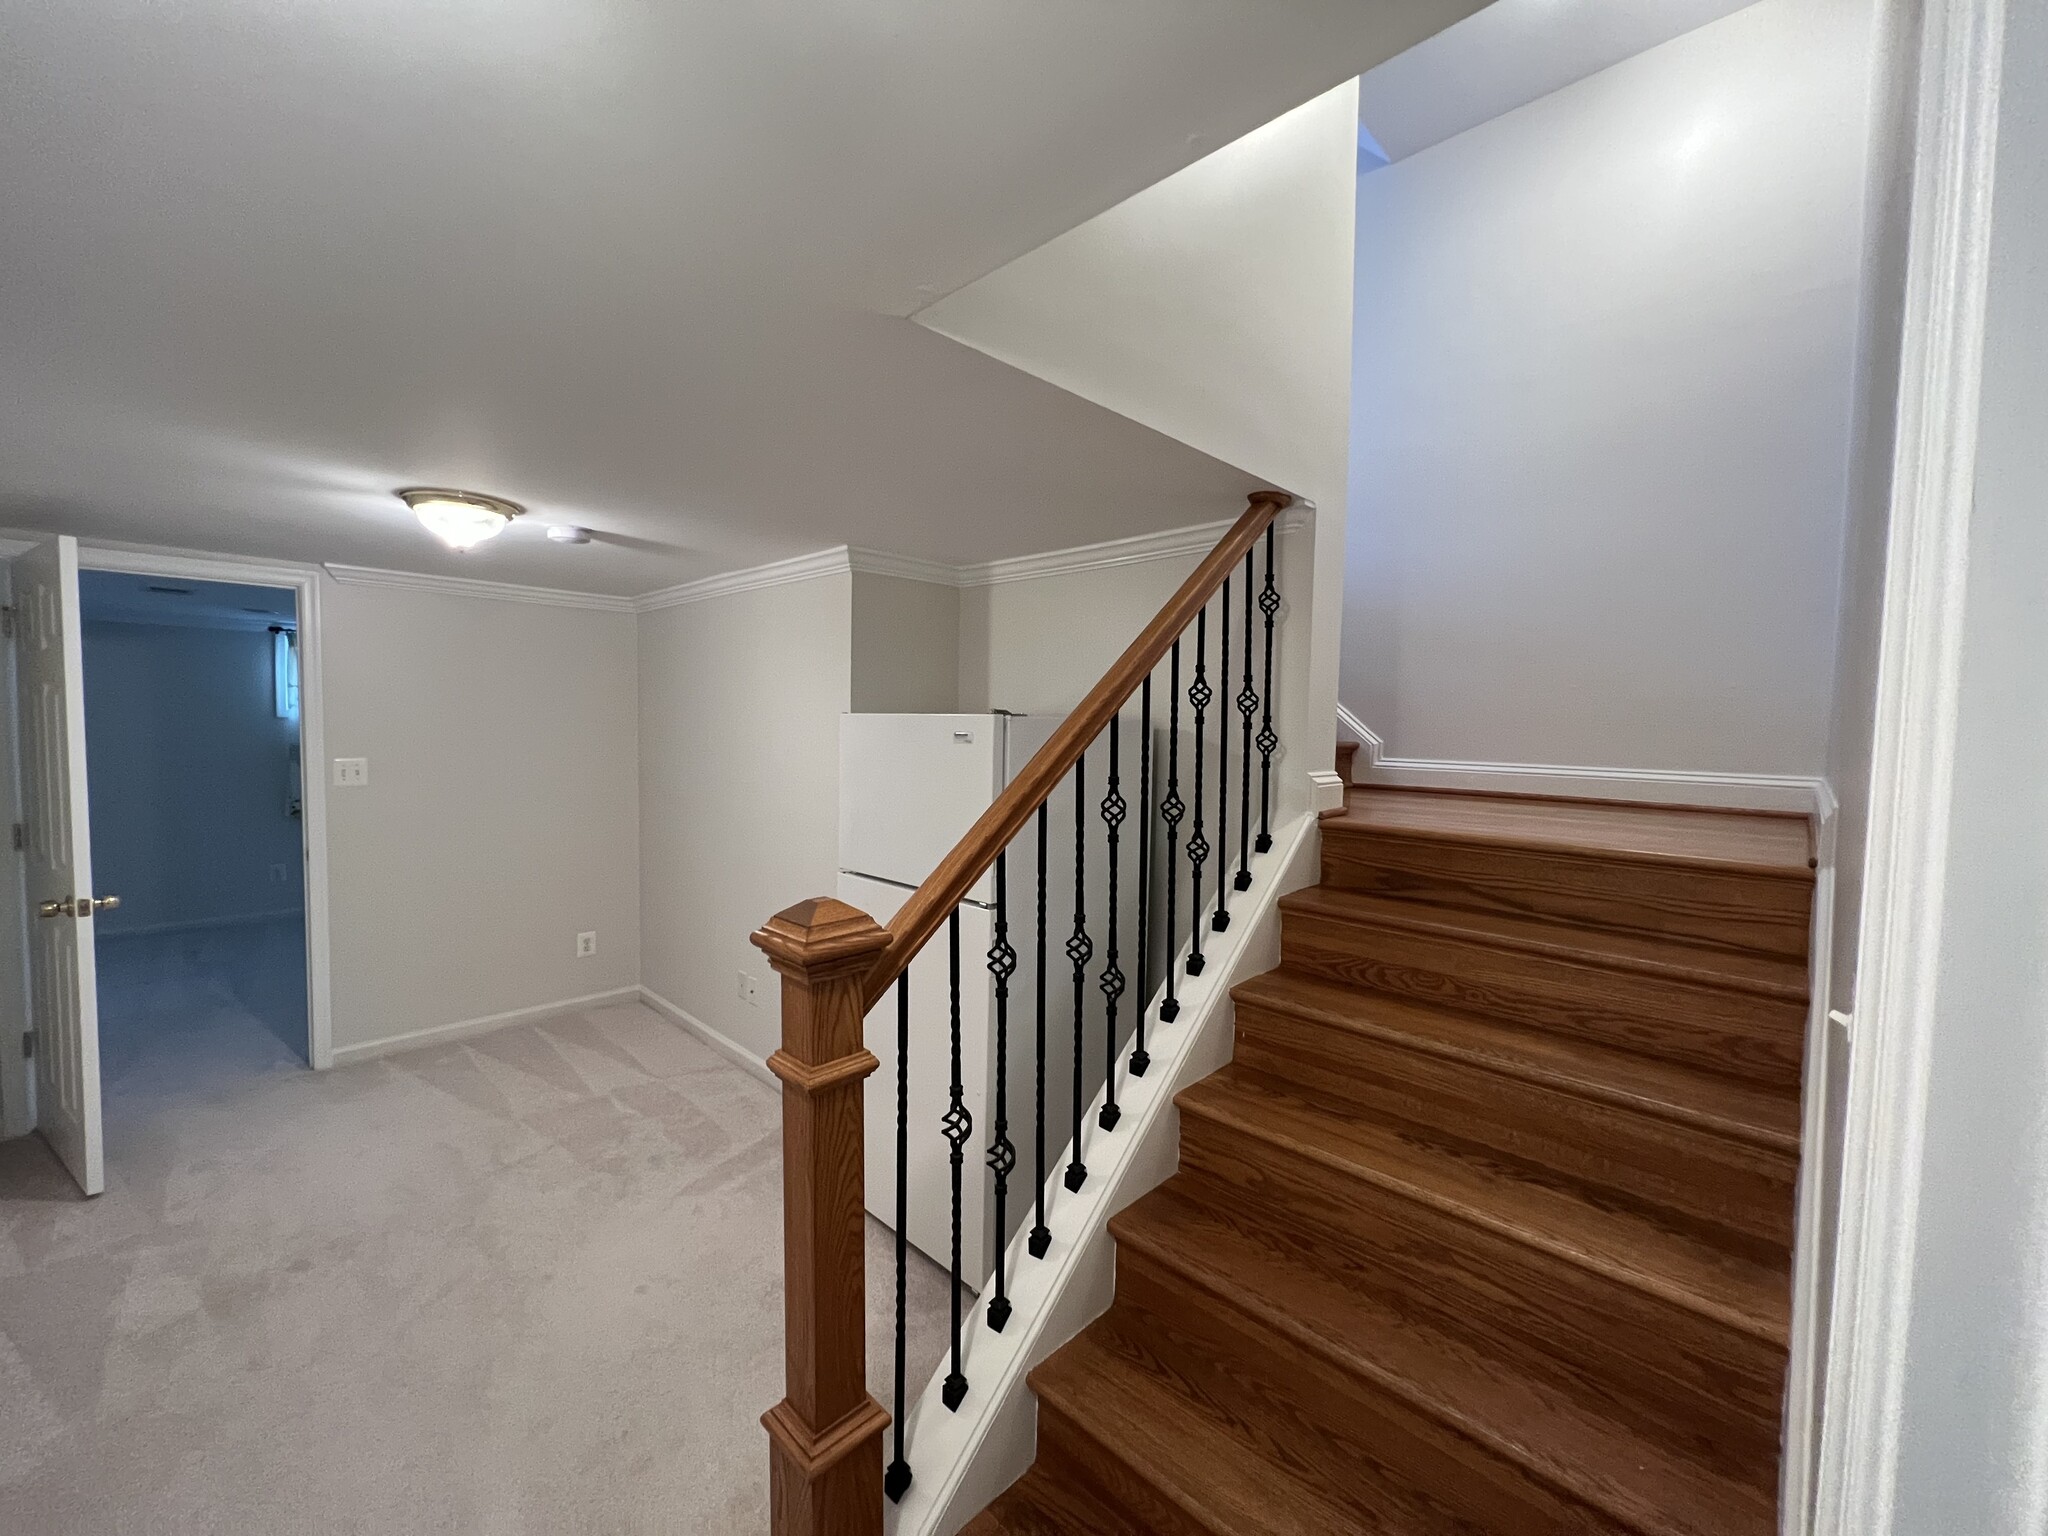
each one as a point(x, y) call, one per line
point(1605, 359)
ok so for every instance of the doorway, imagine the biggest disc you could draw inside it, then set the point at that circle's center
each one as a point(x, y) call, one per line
point(196, 804)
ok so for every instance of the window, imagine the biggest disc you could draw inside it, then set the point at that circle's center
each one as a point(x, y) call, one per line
point(285, 669)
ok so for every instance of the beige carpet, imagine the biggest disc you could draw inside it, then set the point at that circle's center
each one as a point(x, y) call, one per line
point(526, 1283)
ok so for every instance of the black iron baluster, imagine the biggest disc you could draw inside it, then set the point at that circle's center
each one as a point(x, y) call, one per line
point(897, 1481)
point(1111, 981)
point(1140, 1059)
point(1199, 695)
point(1002, 1157)
point(1222, 919)
point(1247, 706)
point(1080, 950)
point(958, 1125)
point(1171, 809)
point(1041, 1234)
point(1269, 605)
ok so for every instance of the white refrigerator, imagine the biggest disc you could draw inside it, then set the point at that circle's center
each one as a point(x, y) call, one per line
point(909, 787)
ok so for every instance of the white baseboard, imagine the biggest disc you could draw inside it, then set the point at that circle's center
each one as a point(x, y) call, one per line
point(724, 1044)
point(461, 1029)
point(199, 924)
point(1798, 794)
point(1325, 790)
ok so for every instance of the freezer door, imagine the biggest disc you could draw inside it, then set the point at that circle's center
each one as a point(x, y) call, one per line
point(909, 788)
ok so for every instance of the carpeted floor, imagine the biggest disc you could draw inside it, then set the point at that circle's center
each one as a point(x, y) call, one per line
point(530, 1282)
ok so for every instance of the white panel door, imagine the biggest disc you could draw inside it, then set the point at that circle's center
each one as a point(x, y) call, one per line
point(63, 992)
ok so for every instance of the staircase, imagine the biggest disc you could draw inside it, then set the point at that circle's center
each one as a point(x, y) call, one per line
point(1487, 1226)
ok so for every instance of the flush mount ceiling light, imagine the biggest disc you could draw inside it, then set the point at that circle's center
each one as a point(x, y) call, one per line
point(460, 519)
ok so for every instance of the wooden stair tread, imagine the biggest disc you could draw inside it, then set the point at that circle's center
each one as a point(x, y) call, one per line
point(1726, 1106)
point(1039, 1504)
point(1670, 959)
point(1753, 842)
point(1624, 1245)
point(1570, 1445)
point(1188, 1453)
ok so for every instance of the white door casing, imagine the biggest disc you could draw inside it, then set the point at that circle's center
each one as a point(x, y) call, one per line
point(63, 988)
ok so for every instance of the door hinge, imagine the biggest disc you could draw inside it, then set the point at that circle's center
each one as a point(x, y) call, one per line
point(28, 1044)
point(20, 836)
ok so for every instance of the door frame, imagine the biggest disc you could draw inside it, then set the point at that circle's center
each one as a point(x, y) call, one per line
point(1952, 163)
point(304, 583)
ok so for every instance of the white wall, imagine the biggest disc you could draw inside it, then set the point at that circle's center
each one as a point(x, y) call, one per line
point(1036, 646)
point(739, 706)
point(1601, 413)
point(1973, 1434)
point(1215, 307)
point(191, 776)
point(501, 817)
point(906, 644)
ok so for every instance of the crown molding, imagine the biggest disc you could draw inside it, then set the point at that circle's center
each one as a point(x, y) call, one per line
point(779, 573)
point(470, 586)
point(875, 562)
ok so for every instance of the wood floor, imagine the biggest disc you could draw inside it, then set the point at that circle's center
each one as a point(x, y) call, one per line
point(1487, 1227)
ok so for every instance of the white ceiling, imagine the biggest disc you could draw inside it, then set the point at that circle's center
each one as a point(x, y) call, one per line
point(1507, 56)
point(640, 264)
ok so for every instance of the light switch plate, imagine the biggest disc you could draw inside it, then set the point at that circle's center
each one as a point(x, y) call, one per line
point(351, 772)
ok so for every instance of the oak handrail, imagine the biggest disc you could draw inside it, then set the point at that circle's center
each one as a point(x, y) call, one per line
point(947, 886)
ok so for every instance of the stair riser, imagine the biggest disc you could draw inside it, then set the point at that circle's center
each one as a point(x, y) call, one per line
point(1330, 1423)
point(1716, 1029)
point(1530, 1308)
point(1704, 1177)
point(1765, 914)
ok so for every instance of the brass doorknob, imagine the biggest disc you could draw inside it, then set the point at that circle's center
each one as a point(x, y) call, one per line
point(77, 906)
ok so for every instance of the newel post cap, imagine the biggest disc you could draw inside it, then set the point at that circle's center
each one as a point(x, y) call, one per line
point(820, 937)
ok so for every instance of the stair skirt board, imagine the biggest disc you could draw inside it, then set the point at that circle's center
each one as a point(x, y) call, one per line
point(962, 1461)
point(1801, 794)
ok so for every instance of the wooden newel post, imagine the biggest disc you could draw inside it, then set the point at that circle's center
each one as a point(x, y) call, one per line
point(825, 1436)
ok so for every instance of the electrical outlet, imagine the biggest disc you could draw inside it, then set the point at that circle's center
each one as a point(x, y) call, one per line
point(351, 772)
point(750, 989)
point(586, 945)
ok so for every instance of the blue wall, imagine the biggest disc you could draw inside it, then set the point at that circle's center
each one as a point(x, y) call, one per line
point(191, 775)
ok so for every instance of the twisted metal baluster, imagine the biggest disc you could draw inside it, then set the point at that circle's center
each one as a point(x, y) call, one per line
point(1140, 1059)
point(897, 1480)
point(958, 1125)
point(1222, 919)
point(1171, 809)
point(1199, 695)
point(1112, 979)
point(1041, 1234)
point(1247, 706)
point(1002, 1157)
point(1080, 950)
point(1269, 605)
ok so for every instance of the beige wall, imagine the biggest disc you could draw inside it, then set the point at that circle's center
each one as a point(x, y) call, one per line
point(906, 643)
point(1036, 646)
point(500, 819)
point(740, 699)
